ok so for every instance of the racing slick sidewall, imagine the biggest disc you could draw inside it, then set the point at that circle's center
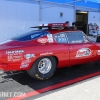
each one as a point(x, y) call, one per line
point(35, 73)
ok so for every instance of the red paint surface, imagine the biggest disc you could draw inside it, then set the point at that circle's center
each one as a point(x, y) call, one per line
point(66, 53)
point(36, 92)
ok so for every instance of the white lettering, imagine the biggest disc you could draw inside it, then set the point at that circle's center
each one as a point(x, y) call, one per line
point(46, 53)
point(12, 94)
point(14, 51)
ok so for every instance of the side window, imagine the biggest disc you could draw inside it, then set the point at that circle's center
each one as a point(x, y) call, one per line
point(75, 37)
point(60, 37)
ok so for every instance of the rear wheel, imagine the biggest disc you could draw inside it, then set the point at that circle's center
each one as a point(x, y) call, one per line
point(43, 68)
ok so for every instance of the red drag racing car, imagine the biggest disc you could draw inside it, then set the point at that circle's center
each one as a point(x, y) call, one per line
point(41, 52)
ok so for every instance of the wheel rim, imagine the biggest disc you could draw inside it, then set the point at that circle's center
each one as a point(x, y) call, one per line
point(44, 66)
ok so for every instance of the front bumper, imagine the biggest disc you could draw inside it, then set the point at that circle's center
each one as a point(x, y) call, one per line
point(4, 66)
point(12, 67)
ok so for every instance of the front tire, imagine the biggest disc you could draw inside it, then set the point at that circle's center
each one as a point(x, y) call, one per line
point(43, 68)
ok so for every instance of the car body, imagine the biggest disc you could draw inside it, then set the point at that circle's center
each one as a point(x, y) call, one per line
point(40, 52)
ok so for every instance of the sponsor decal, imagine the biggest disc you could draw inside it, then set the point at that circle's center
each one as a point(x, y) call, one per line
point(15, 58)
point(46, 53)
point(62, 35)
point(14, 52)
point(35, 35)
point(38, 76)
point(49, 35)
point(83, 52)
point(15, 55)
point(76, 41)
point(25, 63)
point(50, 38)
point(42, 40)
point(98, 52)
point(28, 56)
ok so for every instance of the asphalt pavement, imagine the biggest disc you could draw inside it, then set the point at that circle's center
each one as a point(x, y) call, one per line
point(72, 83)
point(85, 90)
point(81, 82)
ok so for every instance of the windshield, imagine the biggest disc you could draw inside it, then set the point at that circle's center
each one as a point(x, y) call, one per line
point(30, 35)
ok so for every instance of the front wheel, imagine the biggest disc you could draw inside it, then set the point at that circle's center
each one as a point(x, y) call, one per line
point(43, 68)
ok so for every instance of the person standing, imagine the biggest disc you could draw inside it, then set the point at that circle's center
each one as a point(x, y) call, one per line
point(74, 26)
point(67, 22)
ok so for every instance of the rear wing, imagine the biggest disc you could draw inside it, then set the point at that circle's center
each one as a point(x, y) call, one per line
point(54, 26)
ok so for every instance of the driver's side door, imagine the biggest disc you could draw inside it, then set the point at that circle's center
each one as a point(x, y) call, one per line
point(80, 50)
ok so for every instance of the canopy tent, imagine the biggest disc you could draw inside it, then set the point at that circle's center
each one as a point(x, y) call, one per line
point(71, 1)
point(96, 1)
point(83, 3)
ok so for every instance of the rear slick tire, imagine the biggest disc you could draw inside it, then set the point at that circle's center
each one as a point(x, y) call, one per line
point(43, 68)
